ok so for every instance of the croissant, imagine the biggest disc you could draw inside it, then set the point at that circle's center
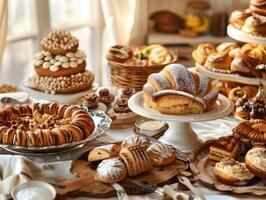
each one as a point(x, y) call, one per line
point(175, 90)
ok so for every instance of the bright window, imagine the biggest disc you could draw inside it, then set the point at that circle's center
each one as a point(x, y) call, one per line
point(29, 20)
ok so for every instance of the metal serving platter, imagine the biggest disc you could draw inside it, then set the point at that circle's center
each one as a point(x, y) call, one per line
point(102, 123)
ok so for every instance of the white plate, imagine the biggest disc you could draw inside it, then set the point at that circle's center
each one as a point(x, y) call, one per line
point(222, 107)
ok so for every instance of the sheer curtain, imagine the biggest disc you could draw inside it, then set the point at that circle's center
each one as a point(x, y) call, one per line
point(3, 27)
point(124, 23)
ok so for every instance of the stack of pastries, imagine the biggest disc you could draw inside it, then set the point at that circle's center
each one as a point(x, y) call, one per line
point(60, 66)
point(247, 60)
point(42, 125)
point(143, 56)
point(134, 156)
point(176, 90)
point(236, 161)
point(251, 20)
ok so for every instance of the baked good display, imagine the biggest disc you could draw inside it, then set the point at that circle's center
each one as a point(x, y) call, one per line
point(255, 160)
point(254, 130)
point(111, 170)
point(176, 90)
point(253, 108)
point(247, 60)
point(161, 154)
point(224, 147)
point(41, 125)
point(136, 159)
point(143, 56)
point(232, 172)
point(104, 152)
point(60, 66)
point(136, 139)
point(251, 20)
point(5, 88)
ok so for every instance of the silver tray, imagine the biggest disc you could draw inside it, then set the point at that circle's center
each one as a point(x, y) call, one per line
point(102, 123)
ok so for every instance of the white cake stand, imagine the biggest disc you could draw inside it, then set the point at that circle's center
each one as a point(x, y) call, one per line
point(243, 36)
point(180, 133)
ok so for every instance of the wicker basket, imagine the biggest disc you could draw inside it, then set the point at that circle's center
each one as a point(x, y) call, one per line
point(134, 76)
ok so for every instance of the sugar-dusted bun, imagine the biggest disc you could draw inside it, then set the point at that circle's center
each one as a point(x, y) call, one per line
point(104, 152)
point(176, 90)
point(218, 62)
point(136, 140)
point(255, 160)
point(161, 154)
point(232, 172)
point(111, 170)
point(136, 160)
point(201, 53)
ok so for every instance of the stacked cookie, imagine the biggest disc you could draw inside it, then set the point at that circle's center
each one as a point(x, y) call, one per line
point(60, 66)
point(251, 20)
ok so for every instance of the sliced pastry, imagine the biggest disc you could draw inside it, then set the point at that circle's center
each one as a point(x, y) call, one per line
point(256, 161)
point(232, 172)
point(104, 152)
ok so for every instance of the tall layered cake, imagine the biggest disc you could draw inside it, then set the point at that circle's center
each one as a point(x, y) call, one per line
point(60, 66)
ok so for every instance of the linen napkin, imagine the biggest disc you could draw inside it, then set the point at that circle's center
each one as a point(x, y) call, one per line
point(15, 170)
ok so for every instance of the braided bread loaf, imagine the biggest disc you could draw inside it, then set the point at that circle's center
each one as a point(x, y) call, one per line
point(175, 90)
point(41, 125)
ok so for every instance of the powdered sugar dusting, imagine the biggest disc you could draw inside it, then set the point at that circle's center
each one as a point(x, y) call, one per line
point(183, 78)
point(161, 150)
point(203, 85)
point(112, 167)
point(149, 88)
point(160, 80)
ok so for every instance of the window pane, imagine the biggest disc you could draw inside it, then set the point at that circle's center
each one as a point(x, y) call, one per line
point(85, 43)
point(68, 12)
point(17, 66)
point(20, 19)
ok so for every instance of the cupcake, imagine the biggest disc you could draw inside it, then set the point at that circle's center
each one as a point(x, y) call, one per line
point(256, 161)
point(127, 92)
point(231, 172)
point(90, 101)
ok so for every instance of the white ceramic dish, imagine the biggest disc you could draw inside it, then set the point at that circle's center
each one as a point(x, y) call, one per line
point(37, 185)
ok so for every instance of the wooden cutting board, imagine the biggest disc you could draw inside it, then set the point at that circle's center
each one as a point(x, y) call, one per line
point(85, 185)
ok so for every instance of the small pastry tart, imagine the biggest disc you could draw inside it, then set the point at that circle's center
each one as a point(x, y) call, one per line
point(161, 154)
point(226, 47)
point(232, 172)
point(201, 53)
point(219, 62)
point(262, 70)
point(105, 97)
point(238, 17)
point(119, 53)
point(111, 170)
point(237, 93)
point(255, 160)
point(136, 140)
point(60, 42)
